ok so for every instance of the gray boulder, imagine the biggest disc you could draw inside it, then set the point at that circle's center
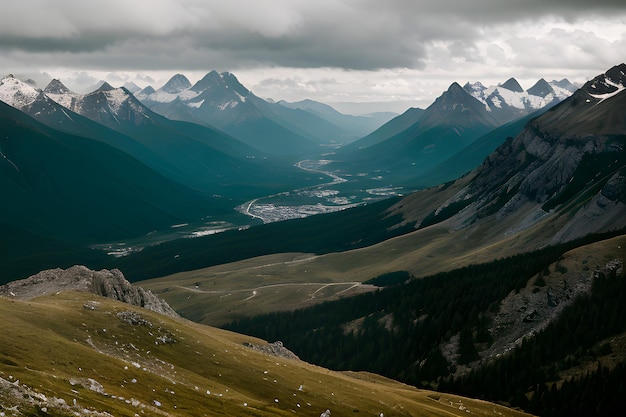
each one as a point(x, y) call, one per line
point(106, 283)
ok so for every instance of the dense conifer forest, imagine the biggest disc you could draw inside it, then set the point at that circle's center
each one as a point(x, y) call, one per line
point(398, 332)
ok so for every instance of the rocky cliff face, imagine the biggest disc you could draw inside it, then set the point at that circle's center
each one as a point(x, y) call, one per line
point(523, 314)
point(107, 283)
point(568, 162)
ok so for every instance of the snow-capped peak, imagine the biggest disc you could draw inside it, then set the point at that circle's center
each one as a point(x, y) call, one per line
point(59, 93)
point(476, 89)
point(56, 87)
point(510, 94)
point(16, 92)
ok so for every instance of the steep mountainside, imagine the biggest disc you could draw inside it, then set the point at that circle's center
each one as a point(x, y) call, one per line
point(569, 161)
point(474, 154)
point(75, 353)
point(70, 187)
point(194, 155)
point(411, 147)
point(447, 126)
point(534, 190)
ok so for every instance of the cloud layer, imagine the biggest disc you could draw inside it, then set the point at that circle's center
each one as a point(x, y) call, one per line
point(427, 37)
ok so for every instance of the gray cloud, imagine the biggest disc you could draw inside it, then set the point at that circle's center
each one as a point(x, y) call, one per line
point(366, 34)
point(404, 49)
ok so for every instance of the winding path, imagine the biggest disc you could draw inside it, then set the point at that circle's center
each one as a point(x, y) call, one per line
point(255, 291)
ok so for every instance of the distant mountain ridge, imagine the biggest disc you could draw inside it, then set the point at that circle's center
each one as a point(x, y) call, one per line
point(402, 153)
point(414, 143)
point(574, 150)
point(358, 126)
point(220, 100)
point(195, 155)
point(508, 100)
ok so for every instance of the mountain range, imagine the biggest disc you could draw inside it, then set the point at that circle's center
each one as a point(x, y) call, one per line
point(504, 283)
point(223, 172)
point(86, 169)
point(220, 100)
point(414, 143)
point(510, 285)
point(508, 101)
point(537, 189)
point(195, 155)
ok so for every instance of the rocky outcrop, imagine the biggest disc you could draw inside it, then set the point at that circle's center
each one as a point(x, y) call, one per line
point(107, 283)
point(274, 349)
point(605, 211)
point(523, 314)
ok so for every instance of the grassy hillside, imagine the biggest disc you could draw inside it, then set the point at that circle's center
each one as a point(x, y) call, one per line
point(339, 231)
point(224, 291)
point(79, 354)
point(536, 330)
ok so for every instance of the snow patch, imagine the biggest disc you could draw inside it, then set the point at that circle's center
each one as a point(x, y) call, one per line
point(196, 105)
point(116, 98)
point(230, 104)
point(618, 89)
point(241, 98)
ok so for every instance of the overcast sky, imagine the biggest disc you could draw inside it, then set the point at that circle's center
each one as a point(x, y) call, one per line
point(399, 52)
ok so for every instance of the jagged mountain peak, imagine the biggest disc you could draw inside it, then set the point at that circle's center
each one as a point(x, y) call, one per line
point(147, 91)
point(224, 80)
point(56, 87)
point(211, 79)
point(474, 86)
point(541, 88)
point(105, 87)
point(454, 98)
point(512, 85)
point(455, 87)
point(16, 92)
point(176, 84)
point(476, 89)
point(607, 84)
point(565, 84)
